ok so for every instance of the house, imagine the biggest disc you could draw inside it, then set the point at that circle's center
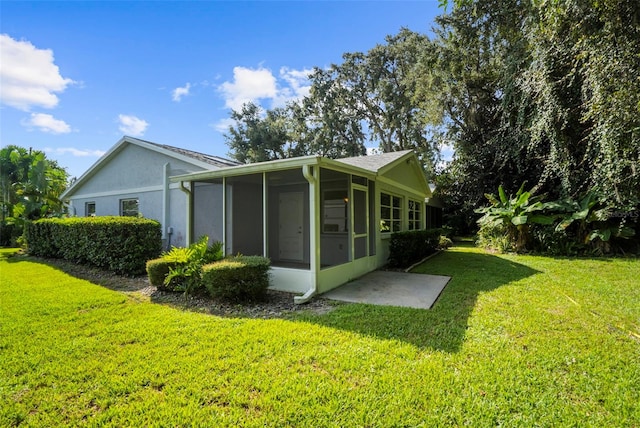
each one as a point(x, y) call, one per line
point(322, 222)
point(132, 179)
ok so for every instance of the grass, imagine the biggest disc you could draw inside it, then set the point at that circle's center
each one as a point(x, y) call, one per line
point(513, 340)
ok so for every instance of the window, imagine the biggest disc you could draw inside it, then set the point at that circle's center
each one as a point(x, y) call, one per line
point(90, 209)
point(129, 207)
point(415, 215)
point(335, 217)
point(390, 213)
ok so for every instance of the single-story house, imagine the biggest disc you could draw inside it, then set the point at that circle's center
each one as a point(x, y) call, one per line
point(321, 221)
point(132, 179)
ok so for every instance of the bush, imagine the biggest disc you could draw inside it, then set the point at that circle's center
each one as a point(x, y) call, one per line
point(184, 265)
point(444, 243)
point(240, 278)
point(407, 248)
point(118, 244)
point(9, 234)
point(157, 271)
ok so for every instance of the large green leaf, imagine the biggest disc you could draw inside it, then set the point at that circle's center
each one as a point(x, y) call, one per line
point(519, 220)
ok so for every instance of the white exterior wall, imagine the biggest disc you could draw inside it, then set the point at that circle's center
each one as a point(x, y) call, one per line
point(136, 172)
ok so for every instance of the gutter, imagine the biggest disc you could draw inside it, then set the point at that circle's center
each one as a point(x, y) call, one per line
point(189, 219)
point(311, 178)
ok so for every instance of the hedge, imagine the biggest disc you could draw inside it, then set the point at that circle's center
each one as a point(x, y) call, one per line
point(119, 244)
point(237, 278)
point(407, 248)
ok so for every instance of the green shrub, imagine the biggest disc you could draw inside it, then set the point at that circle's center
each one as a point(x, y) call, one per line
point(119, 244)
point(240, 278)
point(407, 248)
point(157, 271)
point(444, 243)
point(185, 265)
point(9, 234)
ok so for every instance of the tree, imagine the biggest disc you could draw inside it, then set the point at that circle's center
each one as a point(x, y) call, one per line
point(259, 136)
point(544, 92)
point(31, 185)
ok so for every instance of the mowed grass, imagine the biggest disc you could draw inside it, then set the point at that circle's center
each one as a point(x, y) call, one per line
point(512, 341)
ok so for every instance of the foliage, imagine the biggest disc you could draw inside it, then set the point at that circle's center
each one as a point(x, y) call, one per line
point(444, 243)
point(157, 271)
point(185, 265)
point(513, 217)
point(119, 244)
point(564, 227)
point(539, 91)
point(240, 278)
point(30, 187)
point(407, 248)
point(512, 341)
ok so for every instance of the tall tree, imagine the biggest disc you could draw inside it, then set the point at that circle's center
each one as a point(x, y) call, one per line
point(261, 136)
point(31, 185)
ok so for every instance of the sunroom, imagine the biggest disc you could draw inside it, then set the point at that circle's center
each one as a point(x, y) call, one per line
point(322, 222)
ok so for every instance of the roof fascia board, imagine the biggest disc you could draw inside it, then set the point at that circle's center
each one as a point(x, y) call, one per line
point(252, 168)
point(392, 164)
point(119, 146)
point(95, 167)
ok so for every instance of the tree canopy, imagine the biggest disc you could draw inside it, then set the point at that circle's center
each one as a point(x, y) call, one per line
point(546, 93)
point(31, 185)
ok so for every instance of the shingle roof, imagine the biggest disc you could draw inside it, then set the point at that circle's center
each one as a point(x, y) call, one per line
point(211, 160)
point(374, 163)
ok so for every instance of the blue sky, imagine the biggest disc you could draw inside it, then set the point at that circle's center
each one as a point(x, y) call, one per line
point(77, 76)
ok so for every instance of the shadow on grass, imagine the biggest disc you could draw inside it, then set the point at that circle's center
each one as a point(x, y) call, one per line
point(444, 326)
point(441, 328)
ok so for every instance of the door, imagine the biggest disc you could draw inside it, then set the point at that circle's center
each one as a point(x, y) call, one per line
point(290, 221)
point(360, 206)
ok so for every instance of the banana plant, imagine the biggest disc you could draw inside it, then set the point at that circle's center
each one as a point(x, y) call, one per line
point(515, 214)
point(592, 221)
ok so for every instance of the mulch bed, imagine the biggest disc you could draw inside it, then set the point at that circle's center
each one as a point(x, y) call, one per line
point(276, 304)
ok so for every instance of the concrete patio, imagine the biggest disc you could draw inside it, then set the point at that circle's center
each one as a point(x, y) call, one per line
point(392, 289)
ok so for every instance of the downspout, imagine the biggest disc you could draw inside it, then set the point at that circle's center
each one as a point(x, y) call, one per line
point(189, 210)
point(311, 178)
point(166, 227)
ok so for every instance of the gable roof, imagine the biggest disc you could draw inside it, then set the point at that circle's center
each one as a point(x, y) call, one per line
point(201, 160)
point(376, 163)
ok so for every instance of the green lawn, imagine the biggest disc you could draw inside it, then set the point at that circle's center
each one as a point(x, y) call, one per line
point(512, 341)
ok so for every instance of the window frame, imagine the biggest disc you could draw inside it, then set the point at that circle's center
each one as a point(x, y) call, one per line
point(395, 206)
point(122, 209)
point(414, 215)
point(87, 211)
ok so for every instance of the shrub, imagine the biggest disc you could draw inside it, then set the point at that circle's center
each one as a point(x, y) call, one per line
point(119, 244)
point(185, 265)
point(444, 243)
point(238, 278)
point(9, 234)
point(157, 271)
point(407, 248)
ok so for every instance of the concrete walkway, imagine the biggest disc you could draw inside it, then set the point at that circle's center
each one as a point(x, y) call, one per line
point(411, 290)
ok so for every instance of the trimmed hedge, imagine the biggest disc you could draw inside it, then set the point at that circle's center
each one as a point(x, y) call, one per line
point(237, 278)
point(157, 271)
point(407, 248)
point(119, 244)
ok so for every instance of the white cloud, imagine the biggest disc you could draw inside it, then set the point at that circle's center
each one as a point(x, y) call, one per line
point(223, 125)
point(46, 123)
point(75, 152)
point(178, 93)
point(248, 85)
point(29, 76)
point(298, 84)
point(131, 125)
